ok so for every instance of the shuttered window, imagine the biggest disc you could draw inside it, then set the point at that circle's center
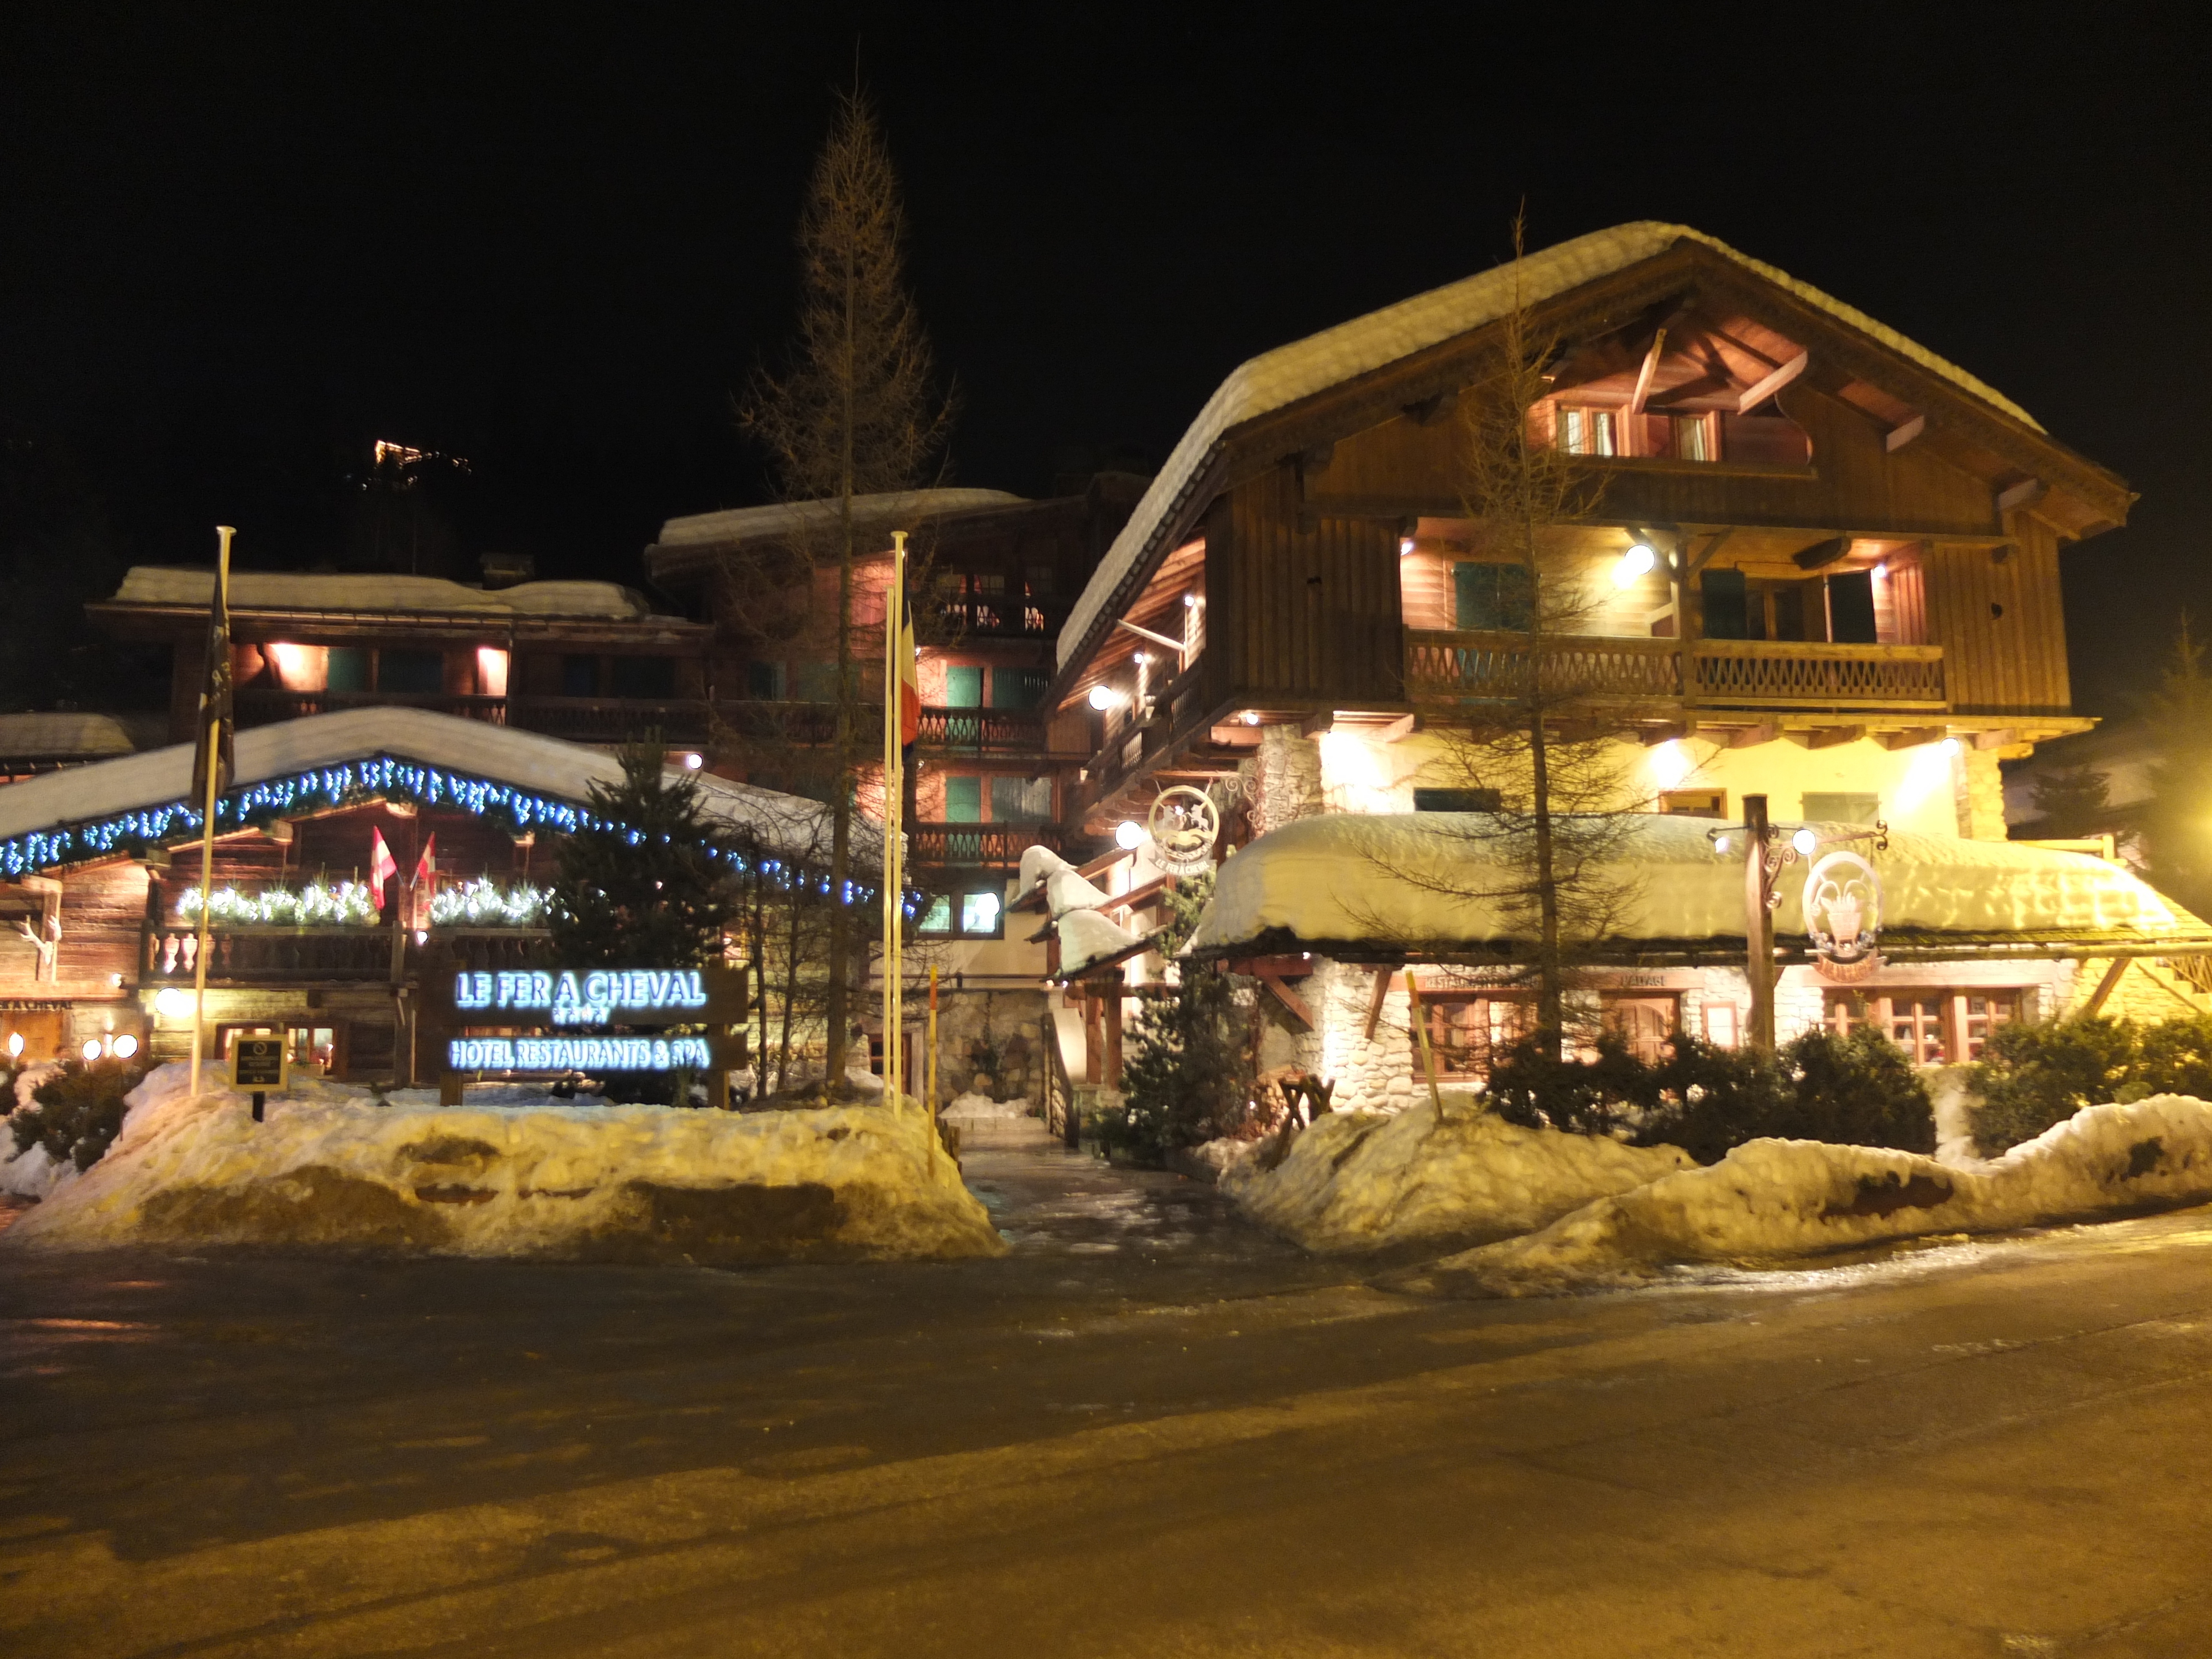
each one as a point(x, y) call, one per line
point(1491, 598)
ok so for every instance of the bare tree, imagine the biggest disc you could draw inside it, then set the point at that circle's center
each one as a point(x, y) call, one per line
point(1543, 739)
point(855, 411)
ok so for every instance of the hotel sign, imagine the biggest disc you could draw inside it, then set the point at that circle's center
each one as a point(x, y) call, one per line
point(512, 1007)
point(594, 1053)
point(1843, 914)
point(627, 996)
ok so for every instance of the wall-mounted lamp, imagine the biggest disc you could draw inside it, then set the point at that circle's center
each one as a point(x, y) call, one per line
point(1128, 836)
point(1103, 697)
point(693, 762)
point(1190, 601)
point(125, 1046)
point(173, 1002)
point(1251, 717)
point(1637, 561)
point(1804, 840)
point(1405, 545)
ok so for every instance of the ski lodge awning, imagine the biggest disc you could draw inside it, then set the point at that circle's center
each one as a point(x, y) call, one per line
point(1421, 886)
point(324, 760)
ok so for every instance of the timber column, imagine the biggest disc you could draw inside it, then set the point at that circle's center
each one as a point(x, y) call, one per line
point(1758, 923)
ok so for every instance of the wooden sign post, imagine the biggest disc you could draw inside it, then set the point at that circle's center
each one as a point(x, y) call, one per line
point(259, 1064)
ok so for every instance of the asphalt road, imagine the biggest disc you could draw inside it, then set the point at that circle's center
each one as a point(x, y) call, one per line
point(1149, 1432)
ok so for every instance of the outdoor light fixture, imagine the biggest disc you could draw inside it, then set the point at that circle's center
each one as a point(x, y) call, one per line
point(1190, 601)
point(1251, 717)
point(1128, 834)
point(1950, 745)
point(1721, 845)
point(125, 1046)
point(14, 1045)
point(1881, 570)
point(1405, 545)
point(1103, 697)
point(172, 1002)
point(92, 1049)
point(1633, 563)
point(693, 762)
point(1804, 840)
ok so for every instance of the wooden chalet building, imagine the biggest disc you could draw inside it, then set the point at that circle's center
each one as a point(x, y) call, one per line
point(1824, 569)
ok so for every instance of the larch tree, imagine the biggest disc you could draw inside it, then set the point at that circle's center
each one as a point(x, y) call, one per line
point(1538, 743)
point(855, 410)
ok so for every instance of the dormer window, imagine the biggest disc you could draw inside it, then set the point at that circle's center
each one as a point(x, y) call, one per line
point(1587, 431)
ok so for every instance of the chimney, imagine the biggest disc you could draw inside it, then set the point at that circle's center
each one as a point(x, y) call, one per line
point(505, 569)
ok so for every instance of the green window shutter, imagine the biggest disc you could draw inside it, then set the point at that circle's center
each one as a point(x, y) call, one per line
point(1015, 688)
point(963, 688)
point(1728, 615)
point(1491, 598)
point(963, 801)
point(1850, 608)
point(348, 668)
point(410, 671)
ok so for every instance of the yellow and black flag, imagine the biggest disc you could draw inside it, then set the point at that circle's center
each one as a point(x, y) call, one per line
point(213, 747)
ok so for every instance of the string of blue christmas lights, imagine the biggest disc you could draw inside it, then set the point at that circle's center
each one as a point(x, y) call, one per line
point(379, 777)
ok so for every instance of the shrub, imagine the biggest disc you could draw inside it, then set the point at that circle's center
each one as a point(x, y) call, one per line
point(77, 1113)
point(2174, 1058)
point(2033, 1075)
point(1856, 1090)
point(1187, 1079)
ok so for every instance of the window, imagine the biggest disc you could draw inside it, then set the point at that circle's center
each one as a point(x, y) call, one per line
point(963, 688)
point(1037, 581)
point(765, 680)
point(1017, 688)
point(1850, 608)
point(1694, 803)
point(1679, 437)
point(936, 915)
point(1466, 1032)
point(1020, 801)
point(411, 672)
point(1726, 612)
point(1721, 1024)
point(579, 677)
point(1491, 598)
point(1455, 801)
point(1587, 431)
point(815, 682)
point(349, 668)
point(963, 801)
point(1840, 808)
point(1934, 1028)
point(979, 915)
point(644, 677)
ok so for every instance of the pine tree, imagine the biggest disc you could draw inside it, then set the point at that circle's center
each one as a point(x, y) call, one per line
point(2071, 802)
point(1187, 1079)
point(645, 894)
point(856, 412)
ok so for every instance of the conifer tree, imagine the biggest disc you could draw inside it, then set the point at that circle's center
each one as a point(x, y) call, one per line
point(856, 411)
point(2180, 820)
point(641, 892)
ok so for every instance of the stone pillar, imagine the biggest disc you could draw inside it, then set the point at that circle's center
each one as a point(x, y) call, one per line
point(1288, 774)
point(1979, 785)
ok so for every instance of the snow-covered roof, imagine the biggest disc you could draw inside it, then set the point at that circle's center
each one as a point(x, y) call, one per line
point(750, 524)
point(470, 750)
point(1415, 880)
point(1276, 379)
point(286, 590)
point(64, 735)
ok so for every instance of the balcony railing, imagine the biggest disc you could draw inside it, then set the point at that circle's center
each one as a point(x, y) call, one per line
point(276, 956)
point(988, 846)
point(984, 730)
point(579, 720)
point(1723, 673)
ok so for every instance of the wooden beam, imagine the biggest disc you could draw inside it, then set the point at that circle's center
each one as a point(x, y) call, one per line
point(2105, 985)
point(1403, 727)
point(1910, 738)
point(1666, 733)
point(1829, 737)
point(1644, 374)
point(1712, 546)
point(1289, 1000)
point(1429, 410)
point(2004, 738)
point(1375, 1001)
point(2024, 495)
point(1750, 736)
point(1759, 392)
point(1147, 634)
point(1313, 724)
point(1903, 434)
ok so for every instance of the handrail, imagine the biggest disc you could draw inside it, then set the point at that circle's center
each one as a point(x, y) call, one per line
point(1725, 673)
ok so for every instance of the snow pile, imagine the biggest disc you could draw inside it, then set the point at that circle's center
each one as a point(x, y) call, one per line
point(639, 1183)
point(1086, 937)
point(982, 1109)
point(1362, 1180)
point(31, 1173)
point(1772, 1199)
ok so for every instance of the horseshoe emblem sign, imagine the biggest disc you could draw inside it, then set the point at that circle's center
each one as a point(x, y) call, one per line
point(1184, 823)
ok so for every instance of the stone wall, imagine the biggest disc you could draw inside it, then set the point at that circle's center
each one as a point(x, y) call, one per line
point(1013, 1021)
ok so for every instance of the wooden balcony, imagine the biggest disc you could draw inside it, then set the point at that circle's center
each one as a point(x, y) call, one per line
point(976, 846)
point(307, 956)
point(578, 720)
point(984, 730)
point(1740, 674)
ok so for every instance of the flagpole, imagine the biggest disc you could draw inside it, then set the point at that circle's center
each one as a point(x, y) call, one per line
point(894, 795)
point(211, 736)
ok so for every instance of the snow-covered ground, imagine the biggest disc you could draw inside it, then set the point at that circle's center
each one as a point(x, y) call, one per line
point(1773, 1199)
point(526, 1177)
point(1364, 1181)
point(982, 1109)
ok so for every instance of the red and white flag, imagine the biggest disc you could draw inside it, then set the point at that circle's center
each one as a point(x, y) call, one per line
point(425, 886)
point(382, 867)
point(909, 683)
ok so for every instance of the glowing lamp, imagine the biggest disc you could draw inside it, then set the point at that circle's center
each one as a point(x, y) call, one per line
point(1190, 601)
point(1950, 745)
point(1804, 840)
point(125, 1046)
point(1405, 545)
point(1128, 836)
point(92, 1049)
point(14, 1045)
point(1721, 845)
point(1251, 717)
point(172, 1002)
point(1637, 561)
point(1103, 697)
point(693, 762)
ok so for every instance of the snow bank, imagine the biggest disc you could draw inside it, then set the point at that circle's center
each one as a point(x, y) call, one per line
point(31, 1173)
point(1771, 1198)
point(982, 1109)
point(1362, 1181)
point(555, 1179)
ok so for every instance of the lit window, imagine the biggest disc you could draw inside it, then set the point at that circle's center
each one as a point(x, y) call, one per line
point(1694, 803)
point(1693, 436)
point(1587, 432)
point(936, 915)
point(979, 914)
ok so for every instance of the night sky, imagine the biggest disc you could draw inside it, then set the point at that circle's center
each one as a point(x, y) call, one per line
point(236, 247)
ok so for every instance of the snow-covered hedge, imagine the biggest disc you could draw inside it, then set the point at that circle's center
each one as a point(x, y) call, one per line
point(1365, 1181)
point(332, 1168)
point(1777, 1199)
